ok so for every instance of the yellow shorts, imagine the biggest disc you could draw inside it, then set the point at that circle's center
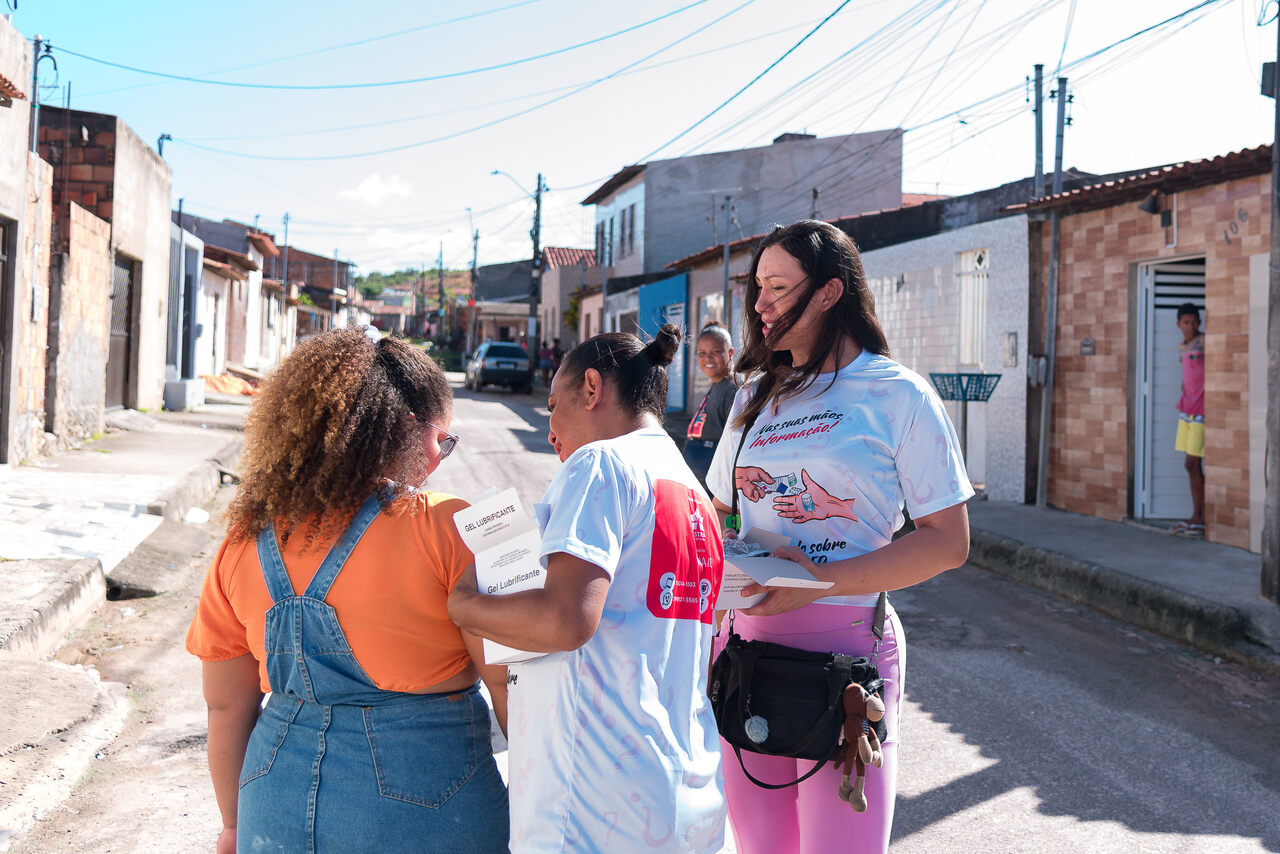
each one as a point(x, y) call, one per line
point(1190, 434)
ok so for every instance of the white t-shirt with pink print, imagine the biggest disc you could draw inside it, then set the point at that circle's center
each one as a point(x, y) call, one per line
point(613, 746)
point(838, 461)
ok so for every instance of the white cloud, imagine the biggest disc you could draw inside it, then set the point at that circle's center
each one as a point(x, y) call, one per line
point(375, 189)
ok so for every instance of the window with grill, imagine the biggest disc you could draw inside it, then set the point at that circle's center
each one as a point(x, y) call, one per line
point(971, 281)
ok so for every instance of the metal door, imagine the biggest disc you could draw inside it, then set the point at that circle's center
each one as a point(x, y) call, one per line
point(121, 339)
point(1161, 489)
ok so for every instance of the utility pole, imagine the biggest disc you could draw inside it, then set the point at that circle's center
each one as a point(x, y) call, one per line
point(1270, 581)
point(535, 279)
point(475, 255)
point(727, 307)
point(35, 94)
point(1037, 110)
point(1051, 306)
point(813, 207)
point(440, 289)
point(286, 251)
point(606, 249)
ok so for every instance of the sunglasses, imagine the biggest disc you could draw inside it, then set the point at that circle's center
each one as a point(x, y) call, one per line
point(448, 443)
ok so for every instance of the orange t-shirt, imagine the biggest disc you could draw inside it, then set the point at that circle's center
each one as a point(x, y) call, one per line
point(389, 597)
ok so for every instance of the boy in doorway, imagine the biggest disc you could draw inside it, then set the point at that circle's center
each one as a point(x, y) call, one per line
point(1191, 415)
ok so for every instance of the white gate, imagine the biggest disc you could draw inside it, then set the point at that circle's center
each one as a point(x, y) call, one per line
point(1161, 489)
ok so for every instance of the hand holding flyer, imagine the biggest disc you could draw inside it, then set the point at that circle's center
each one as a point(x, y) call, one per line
point(506, 542)
point(763, 569)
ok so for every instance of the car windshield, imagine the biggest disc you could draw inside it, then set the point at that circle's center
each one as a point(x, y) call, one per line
point(506, 351)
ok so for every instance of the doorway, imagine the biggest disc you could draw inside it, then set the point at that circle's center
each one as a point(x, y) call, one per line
point(119, 345)
point(1160, 489)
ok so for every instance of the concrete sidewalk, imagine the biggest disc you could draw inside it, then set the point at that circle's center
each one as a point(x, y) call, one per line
point(73, 528)
point(1190, 590)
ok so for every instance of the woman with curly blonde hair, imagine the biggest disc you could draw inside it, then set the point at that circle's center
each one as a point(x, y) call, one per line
point(330, 593)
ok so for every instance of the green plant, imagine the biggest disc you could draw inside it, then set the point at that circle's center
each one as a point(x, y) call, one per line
point(573, 312)
point(304, 299)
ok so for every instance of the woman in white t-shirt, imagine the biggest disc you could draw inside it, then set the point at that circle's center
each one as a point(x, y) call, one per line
point(838, 437)
point(613, 746)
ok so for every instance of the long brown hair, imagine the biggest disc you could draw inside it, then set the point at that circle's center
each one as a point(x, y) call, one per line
point(824, 252)
point(331, 427)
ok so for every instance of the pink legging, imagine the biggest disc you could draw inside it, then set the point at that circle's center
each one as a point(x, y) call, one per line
point(810, 818)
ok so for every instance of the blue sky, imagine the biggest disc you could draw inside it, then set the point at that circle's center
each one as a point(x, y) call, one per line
point(579, 89)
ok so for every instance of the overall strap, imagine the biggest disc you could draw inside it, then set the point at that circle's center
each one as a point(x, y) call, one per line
point(273, 571)
point(341, 550)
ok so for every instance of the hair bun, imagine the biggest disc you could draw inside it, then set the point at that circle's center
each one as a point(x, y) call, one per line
point(662, 349)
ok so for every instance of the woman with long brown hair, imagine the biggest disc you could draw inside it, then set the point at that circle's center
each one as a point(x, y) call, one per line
point(330, 593)
point(828, 440)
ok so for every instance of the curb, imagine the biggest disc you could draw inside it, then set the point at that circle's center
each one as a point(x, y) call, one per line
point(38, 774)
point(1218, 629)
point(195, 488)
point(74, 590)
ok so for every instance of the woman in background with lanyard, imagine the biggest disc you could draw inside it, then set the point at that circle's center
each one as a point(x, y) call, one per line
point(827, 441)
point(715, 355)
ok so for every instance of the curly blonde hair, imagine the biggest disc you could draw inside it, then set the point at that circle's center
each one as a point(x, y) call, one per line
point(340, 419)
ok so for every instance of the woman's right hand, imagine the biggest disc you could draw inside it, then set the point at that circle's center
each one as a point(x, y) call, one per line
point(226, 841)
point(747, 480)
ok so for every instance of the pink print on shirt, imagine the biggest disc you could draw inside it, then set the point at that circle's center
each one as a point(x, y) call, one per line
point(684, 580)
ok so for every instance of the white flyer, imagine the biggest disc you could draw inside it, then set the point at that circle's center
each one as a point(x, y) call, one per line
point(764, 570)
point(506, 542)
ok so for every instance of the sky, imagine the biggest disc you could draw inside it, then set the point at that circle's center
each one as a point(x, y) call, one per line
point(377, 127)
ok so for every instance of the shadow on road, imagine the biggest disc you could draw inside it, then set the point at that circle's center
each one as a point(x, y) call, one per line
point(1102, 723)
point(530, 408)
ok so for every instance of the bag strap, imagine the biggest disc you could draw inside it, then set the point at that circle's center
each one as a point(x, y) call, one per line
point(735, 521)
point(814, 770)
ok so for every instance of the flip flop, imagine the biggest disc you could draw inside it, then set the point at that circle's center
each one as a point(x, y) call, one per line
point(1192, 530)
point(1180, 527)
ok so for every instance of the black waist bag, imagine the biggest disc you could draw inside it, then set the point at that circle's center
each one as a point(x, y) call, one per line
point(780, 701)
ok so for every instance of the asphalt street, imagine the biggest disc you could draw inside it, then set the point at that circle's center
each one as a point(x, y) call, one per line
point(1031, 725)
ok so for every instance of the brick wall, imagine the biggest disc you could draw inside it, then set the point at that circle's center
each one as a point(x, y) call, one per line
point(84, 170)
point(31, 319)
point(79, 319)
point(1088, 463)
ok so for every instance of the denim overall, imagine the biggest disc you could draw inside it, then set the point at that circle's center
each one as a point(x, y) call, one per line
point(336, 764)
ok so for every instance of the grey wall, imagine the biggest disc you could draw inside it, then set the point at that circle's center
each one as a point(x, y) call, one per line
point(504, 281)
point(854, 173)
point(225, 234)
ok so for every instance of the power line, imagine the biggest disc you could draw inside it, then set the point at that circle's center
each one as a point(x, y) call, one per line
point(501, 101)
point(753, 81)
point(1066, 34)
point(293, 158)
point(275, 59)
point(381, 83)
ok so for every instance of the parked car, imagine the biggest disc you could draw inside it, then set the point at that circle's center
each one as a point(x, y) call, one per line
point(500, 363)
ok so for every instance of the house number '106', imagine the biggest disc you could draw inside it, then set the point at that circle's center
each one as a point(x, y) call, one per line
point(1233, 227)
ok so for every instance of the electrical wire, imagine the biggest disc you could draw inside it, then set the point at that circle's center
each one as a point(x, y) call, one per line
point(1071, 17)
point(753, 81)
point(296, 87)
point(294, 158)
point(275, 59)
point(501, 101)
